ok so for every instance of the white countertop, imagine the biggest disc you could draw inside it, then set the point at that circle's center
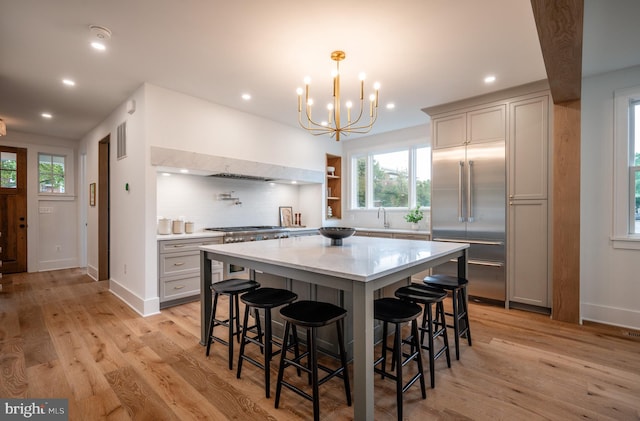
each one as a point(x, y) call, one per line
point(359, 258)
point(394, 230)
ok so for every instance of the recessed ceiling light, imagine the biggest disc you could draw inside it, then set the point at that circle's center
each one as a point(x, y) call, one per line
point(246, 97)
point(391, 106)
point(184, 171)
point(46, 115)
point(68, 82)
point(98, 46)
point(490, 79)
point(166, 174)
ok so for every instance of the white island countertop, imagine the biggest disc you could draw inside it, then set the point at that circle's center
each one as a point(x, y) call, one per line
point(359, 258)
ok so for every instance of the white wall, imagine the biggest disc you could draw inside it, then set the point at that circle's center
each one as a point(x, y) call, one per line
point(609, 277)
point(52, 238)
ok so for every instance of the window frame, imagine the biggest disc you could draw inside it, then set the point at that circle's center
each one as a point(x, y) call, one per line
point(623, 170)
point(65, 175)
point(368, 155)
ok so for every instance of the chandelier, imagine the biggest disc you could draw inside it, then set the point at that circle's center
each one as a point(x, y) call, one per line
point(334, 125)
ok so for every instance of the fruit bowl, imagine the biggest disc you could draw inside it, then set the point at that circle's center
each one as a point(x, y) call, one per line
point(336, 234)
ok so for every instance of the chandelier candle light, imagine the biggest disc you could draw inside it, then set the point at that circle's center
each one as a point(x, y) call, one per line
point(332, 126)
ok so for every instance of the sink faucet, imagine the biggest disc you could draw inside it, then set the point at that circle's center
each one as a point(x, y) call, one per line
point(384, 216)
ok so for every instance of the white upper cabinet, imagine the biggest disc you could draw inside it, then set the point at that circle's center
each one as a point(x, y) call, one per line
point(475, 126)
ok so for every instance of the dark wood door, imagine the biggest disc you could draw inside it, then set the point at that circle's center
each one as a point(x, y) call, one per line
point(13, 209)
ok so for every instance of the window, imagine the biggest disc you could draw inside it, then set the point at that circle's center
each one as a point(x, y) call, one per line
point(51, 173)
point(392, 179)
point(8, 170)
point(626, 177)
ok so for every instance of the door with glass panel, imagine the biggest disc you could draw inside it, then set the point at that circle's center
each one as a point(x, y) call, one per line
point(13, 209)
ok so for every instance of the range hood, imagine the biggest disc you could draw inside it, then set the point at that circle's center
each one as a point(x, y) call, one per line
point(172, 160)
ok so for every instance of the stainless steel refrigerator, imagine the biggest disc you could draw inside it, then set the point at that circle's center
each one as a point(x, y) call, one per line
point(468, 204)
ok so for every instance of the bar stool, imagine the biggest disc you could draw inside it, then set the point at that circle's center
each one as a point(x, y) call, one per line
point(431, 328)
point(311, 315)
point(458, 288)
point(265, 299)
point(231, 287)
point(396, 311)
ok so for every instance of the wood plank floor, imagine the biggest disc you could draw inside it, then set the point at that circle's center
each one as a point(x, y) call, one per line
point(62, 335)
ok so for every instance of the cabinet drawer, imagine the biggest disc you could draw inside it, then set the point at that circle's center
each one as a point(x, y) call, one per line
point(171, 246)
point(179, 288)
point(179, 264)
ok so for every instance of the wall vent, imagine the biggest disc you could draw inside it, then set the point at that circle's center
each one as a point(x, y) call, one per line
point(122, 140)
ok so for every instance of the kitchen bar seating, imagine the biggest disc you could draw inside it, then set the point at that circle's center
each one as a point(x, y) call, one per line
point(311, 315)
point(231, 287)
point(396, 311)
point(264, 299)
point(458, 288)
point(431, 328)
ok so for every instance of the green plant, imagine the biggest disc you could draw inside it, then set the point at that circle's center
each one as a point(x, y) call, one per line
point(414, 216)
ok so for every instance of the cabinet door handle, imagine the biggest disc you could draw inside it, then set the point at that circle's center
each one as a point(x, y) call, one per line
point(178, 264)
point(179, 287)
point(460, 181)
point(178, 245)
point(469, 193)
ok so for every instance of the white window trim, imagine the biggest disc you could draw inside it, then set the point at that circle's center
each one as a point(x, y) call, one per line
point(621, 236)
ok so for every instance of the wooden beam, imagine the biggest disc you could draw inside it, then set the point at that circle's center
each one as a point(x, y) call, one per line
point(566, 212)
point(559, 24)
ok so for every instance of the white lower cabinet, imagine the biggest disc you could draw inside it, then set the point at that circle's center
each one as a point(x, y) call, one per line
point(528, 258)
point(179, 269)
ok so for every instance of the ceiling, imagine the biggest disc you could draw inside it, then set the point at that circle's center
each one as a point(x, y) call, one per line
point(423, 52)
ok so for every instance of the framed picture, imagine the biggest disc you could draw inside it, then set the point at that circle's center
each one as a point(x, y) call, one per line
point(92, 194)
point(286, 216)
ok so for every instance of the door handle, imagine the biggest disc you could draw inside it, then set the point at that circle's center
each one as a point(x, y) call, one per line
point(469, 195)
point(22, 225)
point(460, 182)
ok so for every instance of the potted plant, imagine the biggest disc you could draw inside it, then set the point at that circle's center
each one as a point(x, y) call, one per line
point(414, 216)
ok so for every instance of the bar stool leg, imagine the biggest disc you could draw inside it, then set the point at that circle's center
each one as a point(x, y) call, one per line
point(432, 362)
point(398, 358)
point(242, 341)
point(456, 323)
point(211, 322)
point(441, 323)
point(463, 299)
point(231, 334)
point(267, 350)
point(414, 330)
point(313, 365)
point(285, 344)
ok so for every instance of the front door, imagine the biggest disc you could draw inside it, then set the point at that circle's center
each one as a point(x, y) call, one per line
point(13, 209)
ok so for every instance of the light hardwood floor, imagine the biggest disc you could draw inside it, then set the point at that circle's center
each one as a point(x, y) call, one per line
point(62, 335)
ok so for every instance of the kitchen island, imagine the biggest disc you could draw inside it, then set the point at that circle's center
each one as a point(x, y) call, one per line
point(360, 266)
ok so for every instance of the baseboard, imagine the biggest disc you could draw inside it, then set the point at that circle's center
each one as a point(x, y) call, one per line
point(92, 271)
point(143, 307)
point(614, 316)
point(47, 265)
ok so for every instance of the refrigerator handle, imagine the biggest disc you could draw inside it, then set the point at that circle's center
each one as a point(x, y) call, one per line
point(460, 182)
point(469, 195)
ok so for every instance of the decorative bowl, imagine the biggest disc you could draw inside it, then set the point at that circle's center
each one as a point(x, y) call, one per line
point(336, 234)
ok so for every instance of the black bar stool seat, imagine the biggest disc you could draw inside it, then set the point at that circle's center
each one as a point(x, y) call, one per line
point(396, 311)
point(431, 328)
point(311, 315)
point(458, 288)
point(231, 287)
point(265, 299)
